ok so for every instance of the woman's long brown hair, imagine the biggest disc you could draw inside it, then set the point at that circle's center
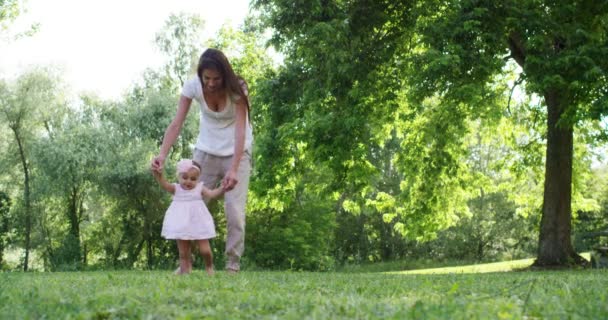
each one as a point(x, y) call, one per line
point(214, 59)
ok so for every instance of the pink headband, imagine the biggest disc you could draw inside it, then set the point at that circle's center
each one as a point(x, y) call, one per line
point(185, 165)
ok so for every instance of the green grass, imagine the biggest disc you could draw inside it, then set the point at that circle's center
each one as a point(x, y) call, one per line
point(580, 294)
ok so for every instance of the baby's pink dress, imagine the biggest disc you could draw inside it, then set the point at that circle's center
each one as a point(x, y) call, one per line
point(188, 217)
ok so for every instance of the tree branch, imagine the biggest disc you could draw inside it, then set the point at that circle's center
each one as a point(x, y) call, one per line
point(518, 52)
point(515, 84)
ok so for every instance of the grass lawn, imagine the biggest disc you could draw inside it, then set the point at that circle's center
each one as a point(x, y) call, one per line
point(424, 294)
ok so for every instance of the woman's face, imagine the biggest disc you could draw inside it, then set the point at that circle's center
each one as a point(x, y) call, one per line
point(188, 180)
point(212, 80)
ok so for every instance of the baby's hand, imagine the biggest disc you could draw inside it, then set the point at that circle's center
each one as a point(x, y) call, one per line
point(222, 185)
point(156, 173)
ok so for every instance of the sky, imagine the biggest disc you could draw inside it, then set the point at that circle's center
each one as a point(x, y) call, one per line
point(103, 46)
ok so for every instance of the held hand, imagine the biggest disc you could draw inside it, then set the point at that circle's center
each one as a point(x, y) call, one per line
point(217, 192)
point(157, 163)
point(230, 180)
point(157, 173)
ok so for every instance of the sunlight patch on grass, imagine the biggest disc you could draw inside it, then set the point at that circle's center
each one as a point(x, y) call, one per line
point(504, 266)
point(474, 268)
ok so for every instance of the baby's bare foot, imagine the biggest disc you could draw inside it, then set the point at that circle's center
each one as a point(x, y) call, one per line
point(179, 272)
point(210, 271)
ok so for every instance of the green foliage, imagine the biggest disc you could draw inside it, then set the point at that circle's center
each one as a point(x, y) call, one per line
point(291, 219)
point(68, 162)
point(493, 232)
point(592, 220)
point(343, 96)
point(9, 10)
point(21, 99)
point(297, 295)
point(419, 73)
point(20, 112)
point(559, 46)
point(389, 130)
point(289, 222)
point(179, 39)
point(291, 226)
point(68, 256)
point(249, 58)
point(138, 203)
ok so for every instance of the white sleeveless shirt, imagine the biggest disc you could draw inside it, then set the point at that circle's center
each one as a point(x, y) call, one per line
point(216, 132)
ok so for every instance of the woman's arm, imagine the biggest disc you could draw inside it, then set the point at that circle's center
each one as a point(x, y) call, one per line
point(230, 179)
point(172, 132)
point(162, 182)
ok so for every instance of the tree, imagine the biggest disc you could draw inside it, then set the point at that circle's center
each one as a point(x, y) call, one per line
point(20, 110)
point(452, 51)
point(68, 159)
point(561, 49)
point(135, 206)
point(180, 40)
point(341, 94)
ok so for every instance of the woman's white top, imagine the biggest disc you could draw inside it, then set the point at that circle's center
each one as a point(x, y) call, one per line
point(216, 133)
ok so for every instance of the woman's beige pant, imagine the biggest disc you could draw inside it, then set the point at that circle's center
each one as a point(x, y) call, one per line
point(213, 169)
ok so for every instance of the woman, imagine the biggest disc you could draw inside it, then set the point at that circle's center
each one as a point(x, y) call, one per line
point(223, 147)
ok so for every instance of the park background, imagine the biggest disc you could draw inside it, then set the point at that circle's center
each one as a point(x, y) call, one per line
point(384, 131)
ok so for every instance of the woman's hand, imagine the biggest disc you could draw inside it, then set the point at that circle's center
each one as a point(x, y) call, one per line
point(230, 180)
point(157, 163)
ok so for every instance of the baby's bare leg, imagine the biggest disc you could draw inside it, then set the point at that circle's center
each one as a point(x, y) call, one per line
point(205, 249)
point(185, 264)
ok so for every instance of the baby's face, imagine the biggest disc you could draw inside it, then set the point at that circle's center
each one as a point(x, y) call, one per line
point(188, 180)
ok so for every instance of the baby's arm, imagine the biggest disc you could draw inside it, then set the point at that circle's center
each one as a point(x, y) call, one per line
point(212, 193)
point(163, 183)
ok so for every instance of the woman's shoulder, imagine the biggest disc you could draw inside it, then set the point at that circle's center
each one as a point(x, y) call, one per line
point(192, 88)
point(193, 81)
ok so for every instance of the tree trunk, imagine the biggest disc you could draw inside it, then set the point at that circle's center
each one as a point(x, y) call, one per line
point(477, 229)
point(4, 208)
point(133, 253)
point(74, 200)
point(3, 224)
point(118, 250)
point(26, 199)
point(148, 235)
point(555, 245)
point(84, 255)
point(50, 258)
